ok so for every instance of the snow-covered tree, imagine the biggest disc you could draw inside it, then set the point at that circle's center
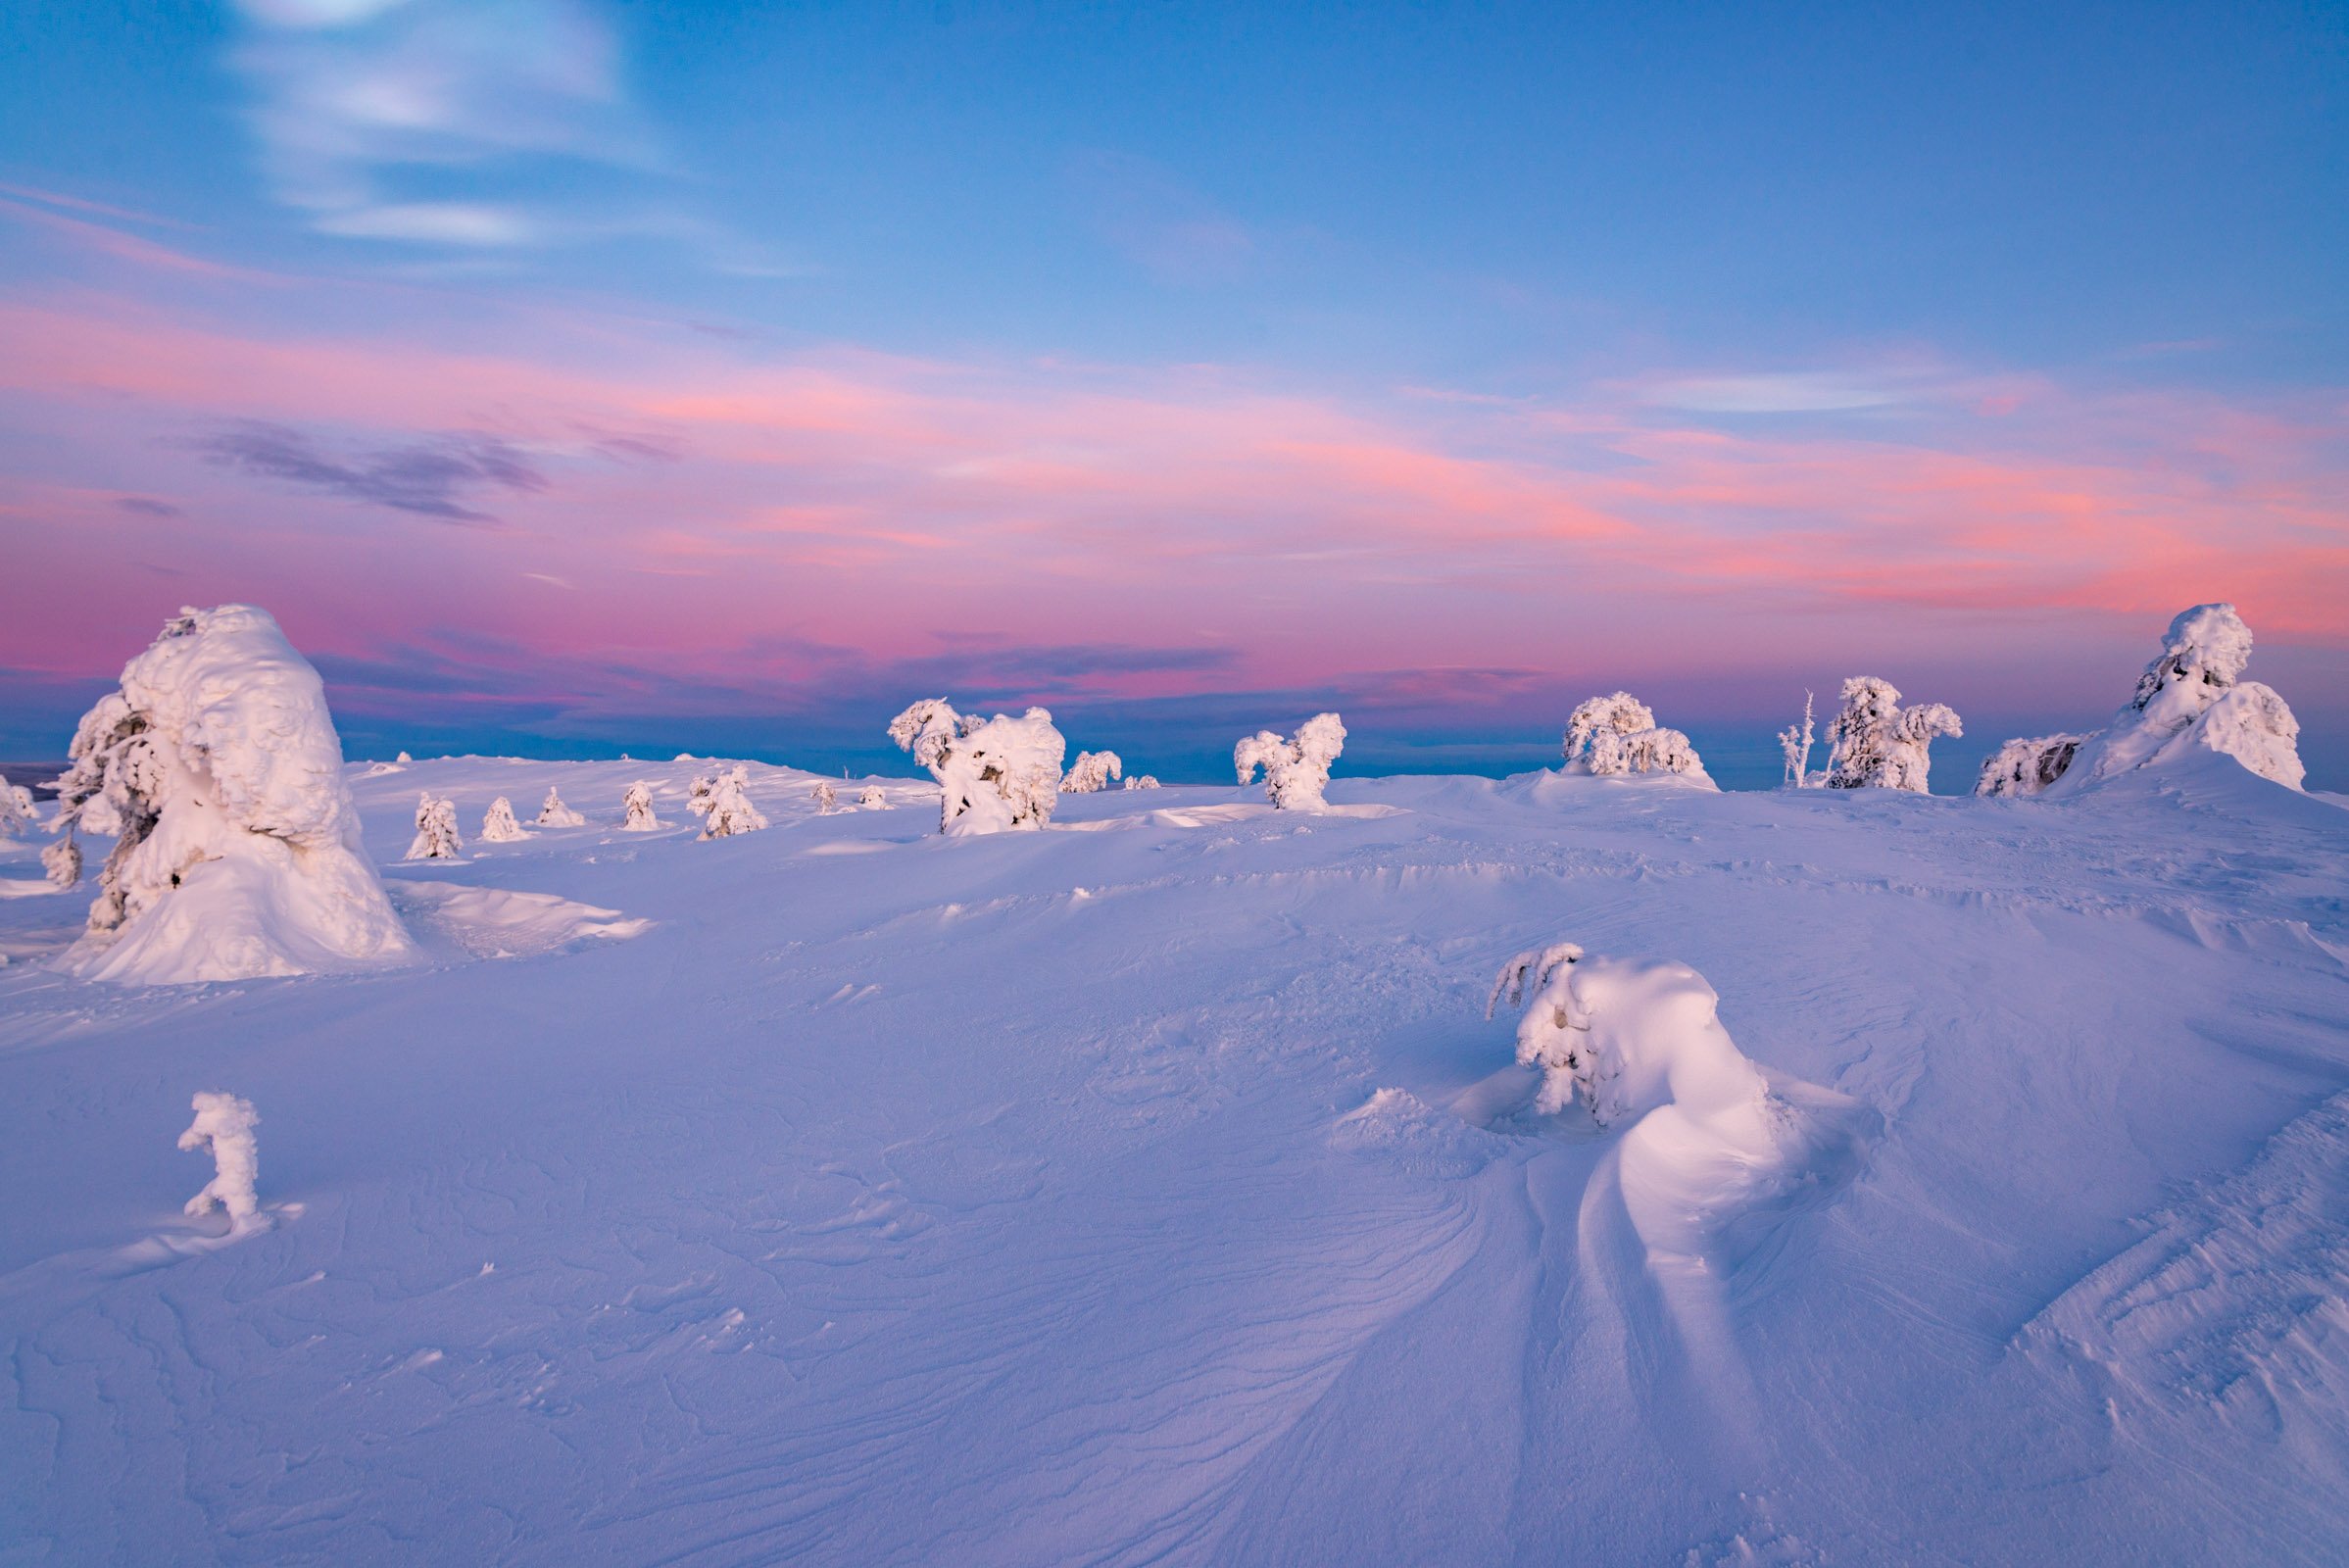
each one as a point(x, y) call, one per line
point(224, 1129)
point(1874, 743)
point(436, 837)
point(827, 799)
point(1092, 771)
point(62, 861)
point(1143, 781)
point(216, 767)
point(554, 813)
point(2192, 696)
point(992, 774)
point(1295, 771)
point(1795, 746)
point(18, 818)
point(498, 825)
point(873, 799)
point(724, 804)
point(403, 757)
point(1617, 734)
point(637, 803)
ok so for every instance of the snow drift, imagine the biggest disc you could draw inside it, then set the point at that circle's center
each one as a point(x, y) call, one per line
point(994, 774)
point(2192, 697)
point(216, 769)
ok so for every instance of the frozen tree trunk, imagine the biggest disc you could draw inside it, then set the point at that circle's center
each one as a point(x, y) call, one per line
point(224, 1128)
point(554, 813)
point(637, 804)
point(498, 825)
point(436, 837)
point(1295, 771)
point(237, 850)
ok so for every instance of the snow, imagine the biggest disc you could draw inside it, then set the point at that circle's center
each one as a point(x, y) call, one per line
point(224, 1129)
point(1091, 771)
point(1148, 1187)
point(994, 776)
point(1295, 771)
point(1617, 735)
point(636, 809)
point(722, 801)
point(554, 813)
point(498, 825)
point(1874, 743)
point(217, 771)
point(436, 836)
point(18, 818)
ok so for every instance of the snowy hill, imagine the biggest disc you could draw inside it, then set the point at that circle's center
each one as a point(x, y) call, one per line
point(1153, 1187)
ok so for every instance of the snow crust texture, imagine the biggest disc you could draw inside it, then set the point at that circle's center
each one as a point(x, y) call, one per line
point(1297, 770)
point(217, 771)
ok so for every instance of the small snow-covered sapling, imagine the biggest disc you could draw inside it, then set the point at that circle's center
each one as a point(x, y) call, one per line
point(224, 1128)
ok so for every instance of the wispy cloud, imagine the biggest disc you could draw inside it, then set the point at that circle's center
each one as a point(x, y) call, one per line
point(1153, 217)
point(427, 477)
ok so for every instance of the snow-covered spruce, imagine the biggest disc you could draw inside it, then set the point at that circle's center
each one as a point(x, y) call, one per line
point(992, 774)
point(1295, 771)
point(18, 818)
point(1615, 735)
point(436, 837)
point(827, 799)
point(216, 769)
point(2192, 697)
point(1091, 773)
point(872, 799)
point(1143, 781)
point(1794, 749)
point(62, 861)
point(554, 813)
point(498, 825)
point(724, 804)
point(637, 804)
point(1874, 743)
point(224, 1129)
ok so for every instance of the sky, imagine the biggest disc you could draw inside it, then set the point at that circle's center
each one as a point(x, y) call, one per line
point(572, 377)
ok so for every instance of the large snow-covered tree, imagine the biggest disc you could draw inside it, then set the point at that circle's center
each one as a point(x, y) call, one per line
point(552, 813)
point(1092, 771)
point(1874, 743)
point(1617, 734)
point(724, 804)
point(2192, 697)
point(498, 825)
point(216, 767)
point(992, 774)
point(436, 837)
point(1295, 771)
point(636, 808)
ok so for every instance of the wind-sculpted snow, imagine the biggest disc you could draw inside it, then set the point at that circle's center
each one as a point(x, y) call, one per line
point(1152, 1192)
point(215, 770)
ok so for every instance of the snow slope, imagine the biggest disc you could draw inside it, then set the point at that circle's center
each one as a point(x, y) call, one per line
point(1152, 1189)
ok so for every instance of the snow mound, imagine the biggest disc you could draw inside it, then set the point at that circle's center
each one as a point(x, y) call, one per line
point(499, 924)
point(237, 850)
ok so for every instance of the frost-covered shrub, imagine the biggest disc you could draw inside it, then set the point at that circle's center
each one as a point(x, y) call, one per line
point(1615, 735)
point(224, 1128)
point(436, 837)
point(62, 861)
point(724, 804)
point(1874, 743)
point(2192, 695)
point(498, 825)
point(216, 769)
point(992, 774)
point(1624, 1036)
point(827, 799)
point(1092, 771)
point(2027, 766)
point(1143, 781)
point(1297, 770)
point(873, 799)
point(637, 803)
point(554, 813)
point(1794, 748)
point(18, 818)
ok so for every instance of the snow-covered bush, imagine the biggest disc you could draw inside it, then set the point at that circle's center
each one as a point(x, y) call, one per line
point(827, 799)
point(1614, 735)
point(1297, 770)
point(2027, 766)
point(436, 837)
point(554, 813)
point(724, 804)
point(1624, 1036)
point(2192, 695)
point(403, 757)
point(498, 825)
point(1143, 781)
point(224, 1128)
point(873, 799)
point(18, 818)
point(1794, 748)
point(638, 804)
point(1874, 743)
point(992, 774)
point(216, 769)
point(1092, 771)
point(62, 861)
